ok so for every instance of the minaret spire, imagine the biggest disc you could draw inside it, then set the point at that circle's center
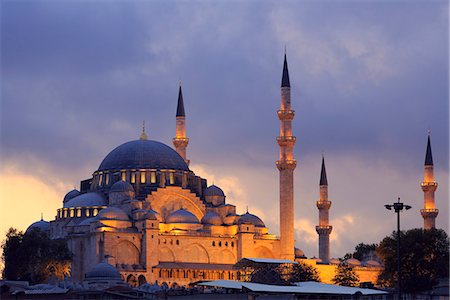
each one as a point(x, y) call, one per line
point(324, 228)
point(286, 165)
point(429, 186)
point(180, 141)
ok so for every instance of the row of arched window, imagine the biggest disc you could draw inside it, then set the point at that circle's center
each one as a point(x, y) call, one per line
point(170, 241)
point(78, 212)
point(196, 274)
point(220, 244)
point(104, 179)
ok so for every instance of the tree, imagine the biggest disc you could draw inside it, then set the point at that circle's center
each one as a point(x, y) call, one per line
point(304, 272)
point(34, 256)
point(424, 259)
point(362, 252)
point(345, 275)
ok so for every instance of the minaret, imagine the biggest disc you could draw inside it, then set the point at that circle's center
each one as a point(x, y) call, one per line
point(180, 141)
point(324, 228)
point(286, 165)
point(429, 186)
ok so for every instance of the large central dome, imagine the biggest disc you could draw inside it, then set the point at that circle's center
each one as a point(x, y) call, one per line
point(143, 154)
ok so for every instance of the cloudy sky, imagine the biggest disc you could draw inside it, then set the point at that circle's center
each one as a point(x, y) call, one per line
point(368, 78)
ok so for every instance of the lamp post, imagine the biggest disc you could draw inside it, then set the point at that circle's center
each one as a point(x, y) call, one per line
point(398, 207)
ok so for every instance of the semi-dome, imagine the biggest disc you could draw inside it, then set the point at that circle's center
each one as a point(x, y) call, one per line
point(86, 199)
point(248, 218)
point(41, 225)
point(103, 270)
point(143, 154)
point(70, 195)
point(113, 213)
point(181, 216)
point(121, 187)
point(211, 218)
point(213, 190)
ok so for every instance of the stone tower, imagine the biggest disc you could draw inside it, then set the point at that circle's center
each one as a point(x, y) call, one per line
point(324, 228)
point(429, 186)
point(286, 165)
point(180, 141)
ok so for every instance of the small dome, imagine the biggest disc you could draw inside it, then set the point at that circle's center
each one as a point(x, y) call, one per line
point(231, 219)
point(87, 199)
point(87, 221)
point(181, 216)
point(112, 213)
point(372, 263)
point(213, 191)
point(299, 253)
point(70, 195)
point(144, 214)
point(211, 218)
point(252, 219)
point(121, 187)
point(353, 262)
point(41, 225)
point(103, 270)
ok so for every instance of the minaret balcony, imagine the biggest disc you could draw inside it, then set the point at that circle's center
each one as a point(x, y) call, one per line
point(286, 164)
point(324, 230)
point(180, 142)
point(321, 204)
point(429, 186)
point(286, 140)
point(429, 212)
point(286, 115)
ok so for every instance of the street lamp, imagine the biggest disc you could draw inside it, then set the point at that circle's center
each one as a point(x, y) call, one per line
point(398, 207)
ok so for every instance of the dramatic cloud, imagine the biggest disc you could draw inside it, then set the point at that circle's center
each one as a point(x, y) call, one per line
point(368, 80)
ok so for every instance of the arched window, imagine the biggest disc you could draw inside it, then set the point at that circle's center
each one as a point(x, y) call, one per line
point(106, 178)
point(65, 213)
point(79, 212)
point(220, 244)
point(72, 213)
point(142, 176)
point(178, 242)
point(123, 175)
point(133, 177)
point(95, 212)
point(232, 244)
point(226, 244)
point(213, 243)
point(87, 212)
point(171, 178)
point(153, 177)
point(100, 179)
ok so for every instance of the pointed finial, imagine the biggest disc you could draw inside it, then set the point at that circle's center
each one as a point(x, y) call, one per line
point(429, 132)
point(284, 49)
point(323, 173)
point(247, 209)
point(285, 78)
point(180, 105)
point(42, 216)
point(143, 134)
point(428, 155)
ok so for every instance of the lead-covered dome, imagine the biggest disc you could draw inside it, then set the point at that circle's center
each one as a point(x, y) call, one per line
point(113, 213)
point(86, 199)
point(41, 225)
point(213, 190)
point(143, 154)
point(248, 218)
point(103, 270)
point(211, 218)
point(70, 195)
point(182, 216)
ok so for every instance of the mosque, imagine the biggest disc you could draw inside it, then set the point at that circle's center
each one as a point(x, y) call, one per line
point(147, 214)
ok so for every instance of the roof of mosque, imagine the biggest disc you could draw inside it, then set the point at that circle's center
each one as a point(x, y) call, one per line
point(121, 186)
point(252, 219)
point(86, 199)
point(103, 270)
point(213, 190)
point(41, 225)
point(211, 218)
point(72, 194)
point(112, 213)
point(181, 216)
point(143, 154)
